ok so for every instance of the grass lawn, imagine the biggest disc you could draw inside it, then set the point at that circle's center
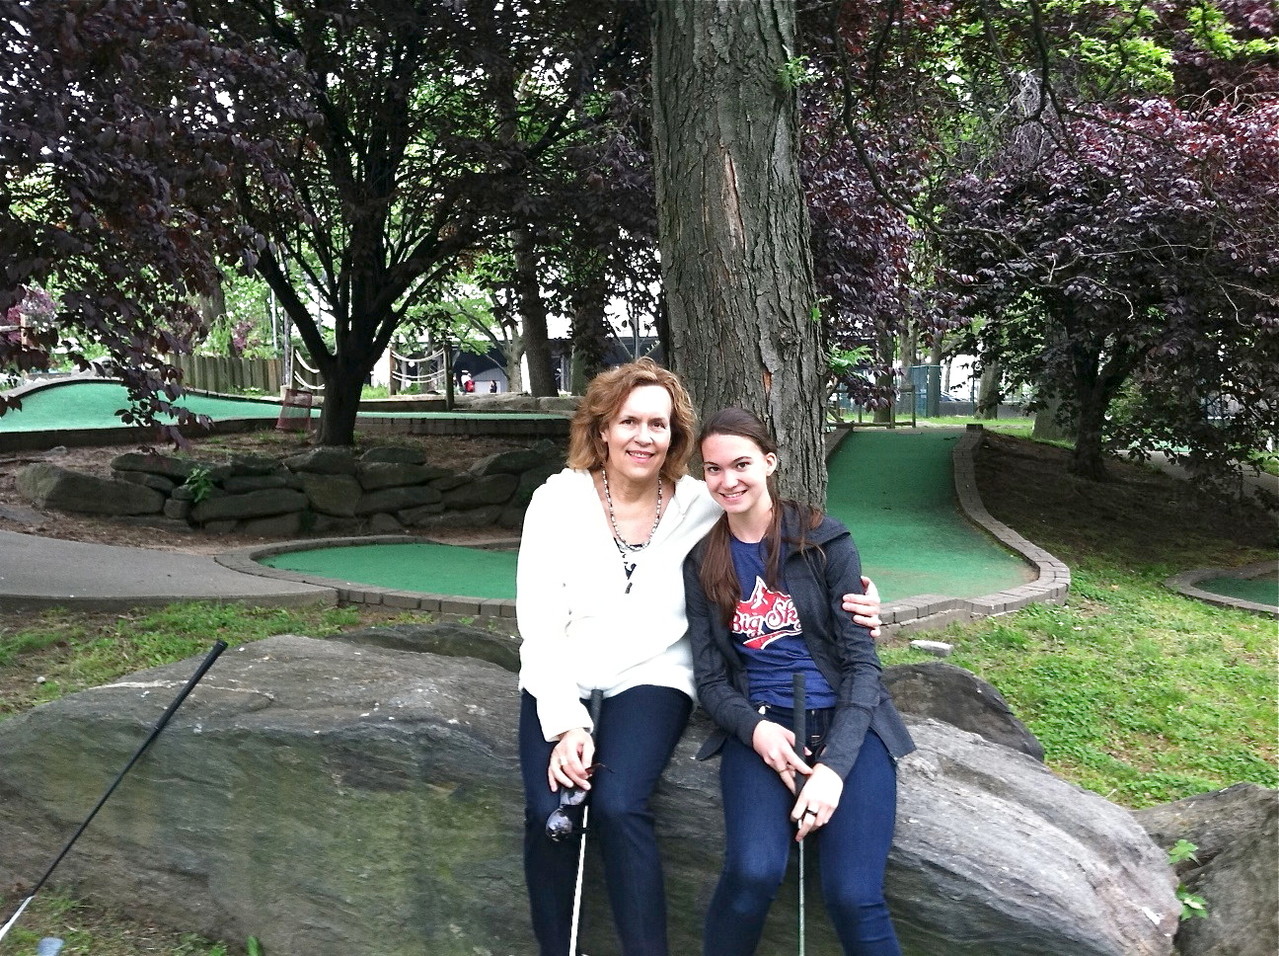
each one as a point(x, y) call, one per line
point(1136, 692)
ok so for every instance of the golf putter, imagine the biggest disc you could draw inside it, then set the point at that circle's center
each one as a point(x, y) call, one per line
point(800, 706)
point(212, 656)
point(597, 701)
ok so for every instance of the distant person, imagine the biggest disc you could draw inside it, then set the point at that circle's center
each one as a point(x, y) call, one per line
point(468, 383)
point(763, 589)
point(600, 605)
point(493, 387)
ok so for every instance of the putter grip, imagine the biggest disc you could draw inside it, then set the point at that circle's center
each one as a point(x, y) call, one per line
point(597, 702)
point(800, 707)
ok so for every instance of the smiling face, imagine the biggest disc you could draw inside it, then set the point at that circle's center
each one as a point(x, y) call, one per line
point(736, 471)
point(639, 435)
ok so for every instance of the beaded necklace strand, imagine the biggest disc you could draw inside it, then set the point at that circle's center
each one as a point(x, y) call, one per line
point(624, 547)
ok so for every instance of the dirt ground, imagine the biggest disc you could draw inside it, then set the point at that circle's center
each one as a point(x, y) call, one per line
point(18, 514)
point(1138, 512)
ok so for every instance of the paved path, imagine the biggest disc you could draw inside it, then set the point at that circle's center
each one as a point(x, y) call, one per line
point(40, 572)
point(1251, 480)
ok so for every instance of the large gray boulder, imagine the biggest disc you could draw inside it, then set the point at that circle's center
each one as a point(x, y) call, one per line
point(1235, 868)
point(959, 697)
point(48, 486)
point(335, 798)
point(334, 495)
point(375, 475)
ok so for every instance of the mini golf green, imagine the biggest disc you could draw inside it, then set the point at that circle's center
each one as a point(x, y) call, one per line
point(1259, 590)
point(93, 404)
point(81, 404)
point(894, 490)
point(411, 566)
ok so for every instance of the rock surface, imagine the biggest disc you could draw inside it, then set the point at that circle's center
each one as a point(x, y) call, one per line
point(1235, 870)
point(959, 697)
point(49, 486)
point(387, 489)
point(337, 798)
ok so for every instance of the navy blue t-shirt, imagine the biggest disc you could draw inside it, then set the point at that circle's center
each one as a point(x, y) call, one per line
point(767, 631)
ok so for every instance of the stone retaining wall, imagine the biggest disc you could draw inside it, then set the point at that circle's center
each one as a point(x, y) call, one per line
point(326, 490)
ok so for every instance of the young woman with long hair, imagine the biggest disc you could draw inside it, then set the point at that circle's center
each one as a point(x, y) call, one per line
point(764, 591)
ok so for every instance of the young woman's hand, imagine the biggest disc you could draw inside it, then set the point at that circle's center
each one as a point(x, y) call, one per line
point(776, 747)
point(818, 800)
point(574, 752)
point(865, 607)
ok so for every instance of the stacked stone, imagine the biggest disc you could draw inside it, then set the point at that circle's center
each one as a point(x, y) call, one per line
point(327, 490)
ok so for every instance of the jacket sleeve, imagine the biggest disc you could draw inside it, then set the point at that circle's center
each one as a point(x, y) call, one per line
point(860, 686)
point(727, 706)
point(542, 613)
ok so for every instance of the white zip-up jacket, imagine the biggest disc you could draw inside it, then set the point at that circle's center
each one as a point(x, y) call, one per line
point(581, 629)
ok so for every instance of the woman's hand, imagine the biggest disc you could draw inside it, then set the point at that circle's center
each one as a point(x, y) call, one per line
point(573, 754)
point(776, 747)
point(865, 607)
point(818, 800)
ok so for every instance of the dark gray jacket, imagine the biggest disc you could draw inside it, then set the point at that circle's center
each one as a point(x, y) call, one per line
point(817, 577)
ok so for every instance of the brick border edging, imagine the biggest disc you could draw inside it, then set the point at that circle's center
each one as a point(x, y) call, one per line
point(917, 612)
point(245, 560)
point(1185, 582)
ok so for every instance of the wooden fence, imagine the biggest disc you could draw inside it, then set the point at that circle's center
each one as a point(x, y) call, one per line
point(215, 373)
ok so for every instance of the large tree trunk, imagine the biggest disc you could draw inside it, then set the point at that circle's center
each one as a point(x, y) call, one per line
point(532, 310)
point(989, 393)
point(733, 228)
point(589, 332)
point(886, 357)
point(529, 304)
point(343, 385)
point(1094, 398)
point(1048, 424)
point(1087, 461)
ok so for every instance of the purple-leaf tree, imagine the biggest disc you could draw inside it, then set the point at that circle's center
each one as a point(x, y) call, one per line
point(116, 148)
point(1142, 260)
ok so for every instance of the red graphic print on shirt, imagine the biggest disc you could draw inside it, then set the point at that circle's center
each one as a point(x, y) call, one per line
point(765, 616)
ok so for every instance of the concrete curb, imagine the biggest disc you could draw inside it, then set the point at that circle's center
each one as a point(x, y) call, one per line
point(1185, 582)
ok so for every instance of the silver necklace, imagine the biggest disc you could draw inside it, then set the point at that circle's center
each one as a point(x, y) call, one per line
point(624, 547)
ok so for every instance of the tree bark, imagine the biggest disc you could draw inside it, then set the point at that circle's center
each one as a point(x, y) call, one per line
point(342, 388)
point(733, 229)
point(532, 311)
point(1097, 379)
point(988, 391)
point(1048, 425)
point(886, 357)
point(589, 332)
point(1087, 461)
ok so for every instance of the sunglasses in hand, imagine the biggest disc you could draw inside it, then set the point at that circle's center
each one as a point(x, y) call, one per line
point(567, 819)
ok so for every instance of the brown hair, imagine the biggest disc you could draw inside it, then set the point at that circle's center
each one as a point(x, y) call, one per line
point(717, 572)
point(605, 397)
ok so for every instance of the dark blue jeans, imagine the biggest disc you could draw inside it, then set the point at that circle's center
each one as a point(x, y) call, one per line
point(759, 834)
point(637, 733)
